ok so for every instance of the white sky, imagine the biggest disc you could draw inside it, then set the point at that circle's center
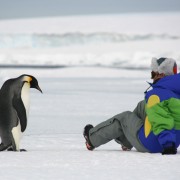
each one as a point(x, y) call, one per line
point(41, 8)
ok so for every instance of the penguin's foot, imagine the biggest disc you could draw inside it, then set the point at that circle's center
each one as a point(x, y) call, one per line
point(9, 149)
point(23, 150)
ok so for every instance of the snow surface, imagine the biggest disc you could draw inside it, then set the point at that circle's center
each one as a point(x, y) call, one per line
point(72, 98)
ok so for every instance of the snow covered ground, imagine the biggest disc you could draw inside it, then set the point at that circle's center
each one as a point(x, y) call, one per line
point(73, 97)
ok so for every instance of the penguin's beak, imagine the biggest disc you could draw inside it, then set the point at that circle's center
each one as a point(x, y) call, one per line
point(38, 88)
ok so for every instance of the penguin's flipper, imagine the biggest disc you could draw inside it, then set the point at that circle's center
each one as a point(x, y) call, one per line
point(21, 112)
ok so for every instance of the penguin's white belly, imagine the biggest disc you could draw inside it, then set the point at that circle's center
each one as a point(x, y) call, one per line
point(17, 134)
point(16, 131)
point(25, 97)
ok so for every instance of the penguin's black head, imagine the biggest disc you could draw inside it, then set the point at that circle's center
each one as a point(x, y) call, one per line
point(32, 81)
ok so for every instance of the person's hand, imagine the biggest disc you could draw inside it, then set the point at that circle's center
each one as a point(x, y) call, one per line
point(169, 150)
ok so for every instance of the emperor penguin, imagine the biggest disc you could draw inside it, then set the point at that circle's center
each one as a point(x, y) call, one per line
point(14, 108)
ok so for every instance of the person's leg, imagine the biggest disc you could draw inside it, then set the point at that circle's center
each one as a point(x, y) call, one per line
point(131, 125)
point(140, 110)
point(123, 126)
point(107, 131)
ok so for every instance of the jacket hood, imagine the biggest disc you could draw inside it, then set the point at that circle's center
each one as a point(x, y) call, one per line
point(171, 83)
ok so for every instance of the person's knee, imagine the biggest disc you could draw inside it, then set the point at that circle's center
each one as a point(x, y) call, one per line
point(122, 115)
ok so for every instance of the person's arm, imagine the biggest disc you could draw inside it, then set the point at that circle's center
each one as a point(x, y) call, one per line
point(160, 117)
point(161, 120)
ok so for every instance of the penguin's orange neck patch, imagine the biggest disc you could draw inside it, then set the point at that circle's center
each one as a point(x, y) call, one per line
point(27, 79)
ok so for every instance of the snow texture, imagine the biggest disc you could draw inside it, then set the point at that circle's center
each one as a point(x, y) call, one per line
point(72, 98)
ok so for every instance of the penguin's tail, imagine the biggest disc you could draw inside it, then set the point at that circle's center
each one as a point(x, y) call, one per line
point(4, 147)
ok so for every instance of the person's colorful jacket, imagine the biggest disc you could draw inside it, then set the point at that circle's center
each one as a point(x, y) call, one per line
point(162, 124)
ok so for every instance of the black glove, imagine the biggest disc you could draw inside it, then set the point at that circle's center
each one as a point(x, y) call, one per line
point(169, 150)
